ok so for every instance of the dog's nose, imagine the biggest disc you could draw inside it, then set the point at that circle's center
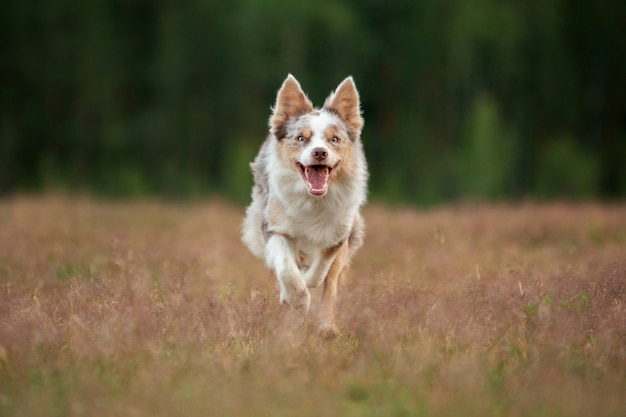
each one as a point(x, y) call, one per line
point(319, 153)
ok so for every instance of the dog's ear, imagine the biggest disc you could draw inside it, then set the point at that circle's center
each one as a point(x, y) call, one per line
point(290, 101)
point(345, 102)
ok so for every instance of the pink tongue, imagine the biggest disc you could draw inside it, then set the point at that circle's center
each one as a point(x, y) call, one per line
point(317, 177)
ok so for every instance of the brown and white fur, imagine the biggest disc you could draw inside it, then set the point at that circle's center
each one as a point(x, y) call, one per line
point(310, 182)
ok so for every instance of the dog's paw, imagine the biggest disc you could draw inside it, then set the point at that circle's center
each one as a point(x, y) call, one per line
point(297, 298)
point(328, 331)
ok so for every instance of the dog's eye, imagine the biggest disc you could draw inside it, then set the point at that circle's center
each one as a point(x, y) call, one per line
point(300, 138)
point(334, 139)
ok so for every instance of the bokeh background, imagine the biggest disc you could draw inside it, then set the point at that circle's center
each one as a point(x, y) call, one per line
point(485, 99)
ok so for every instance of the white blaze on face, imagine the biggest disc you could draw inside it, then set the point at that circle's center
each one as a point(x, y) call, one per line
point(318, 124)
point(318, 173)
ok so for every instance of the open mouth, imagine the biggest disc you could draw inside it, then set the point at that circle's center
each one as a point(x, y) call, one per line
point(316, 177)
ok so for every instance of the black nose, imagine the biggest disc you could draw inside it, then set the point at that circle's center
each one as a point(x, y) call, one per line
point(319, 153)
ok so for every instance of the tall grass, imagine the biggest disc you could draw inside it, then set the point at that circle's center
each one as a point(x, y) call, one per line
point(148, 308)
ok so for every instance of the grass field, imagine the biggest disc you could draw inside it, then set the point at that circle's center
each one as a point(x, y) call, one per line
point(157, 309)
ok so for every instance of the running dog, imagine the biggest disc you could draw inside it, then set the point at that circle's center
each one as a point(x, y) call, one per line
point(310, 181)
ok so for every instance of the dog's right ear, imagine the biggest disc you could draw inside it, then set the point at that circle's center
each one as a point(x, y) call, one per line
point(290, 101)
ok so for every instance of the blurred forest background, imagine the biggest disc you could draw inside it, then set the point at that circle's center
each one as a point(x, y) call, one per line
point(481, 99)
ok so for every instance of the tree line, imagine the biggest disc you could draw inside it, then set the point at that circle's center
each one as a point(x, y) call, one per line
point(478, 99)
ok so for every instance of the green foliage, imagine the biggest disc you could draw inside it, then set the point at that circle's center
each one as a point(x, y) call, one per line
point(566, 169)
point(531, 309)
point(578, 304)
point(66, 272)
point(238, 178)
point(460, 100)
point(487, 158)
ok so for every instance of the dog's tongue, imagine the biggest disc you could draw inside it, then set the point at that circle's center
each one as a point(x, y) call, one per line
point(317, 176)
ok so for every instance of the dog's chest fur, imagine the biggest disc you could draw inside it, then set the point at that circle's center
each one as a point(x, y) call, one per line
point(311, 221)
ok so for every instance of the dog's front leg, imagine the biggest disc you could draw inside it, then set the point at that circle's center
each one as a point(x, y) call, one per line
point(316, 272)
point(322, 260)
point(280, 255)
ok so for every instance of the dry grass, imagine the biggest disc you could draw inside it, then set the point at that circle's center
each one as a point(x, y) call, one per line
point(152, 309)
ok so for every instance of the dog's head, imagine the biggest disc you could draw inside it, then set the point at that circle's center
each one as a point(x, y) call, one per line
point(318, 144)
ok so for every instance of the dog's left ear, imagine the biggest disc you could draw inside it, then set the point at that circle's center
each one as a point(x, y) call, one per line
point(345, 102)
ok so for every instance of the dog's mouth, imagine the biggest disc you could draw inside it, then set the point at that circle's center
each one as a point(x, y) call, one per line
point(316, 177)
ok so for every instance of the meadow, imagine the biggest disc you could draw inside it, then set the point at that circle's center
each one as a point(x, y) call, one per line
point(151, 308)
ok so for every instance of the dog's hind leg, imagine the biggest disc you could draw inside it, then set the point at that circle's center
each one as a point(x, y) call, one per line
point(328, 328)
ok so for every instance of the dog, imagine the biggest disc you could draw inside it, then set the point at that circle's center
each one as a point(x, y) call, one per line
point(310, 181)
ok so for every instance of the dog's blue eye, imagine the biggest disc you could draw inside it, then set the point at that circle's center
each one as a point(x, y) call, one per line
point(334, 139)
point(301, 138)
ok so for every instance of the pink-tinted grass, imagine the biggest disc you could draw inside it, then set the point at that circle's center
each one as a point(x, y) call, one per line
point(157, 309)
